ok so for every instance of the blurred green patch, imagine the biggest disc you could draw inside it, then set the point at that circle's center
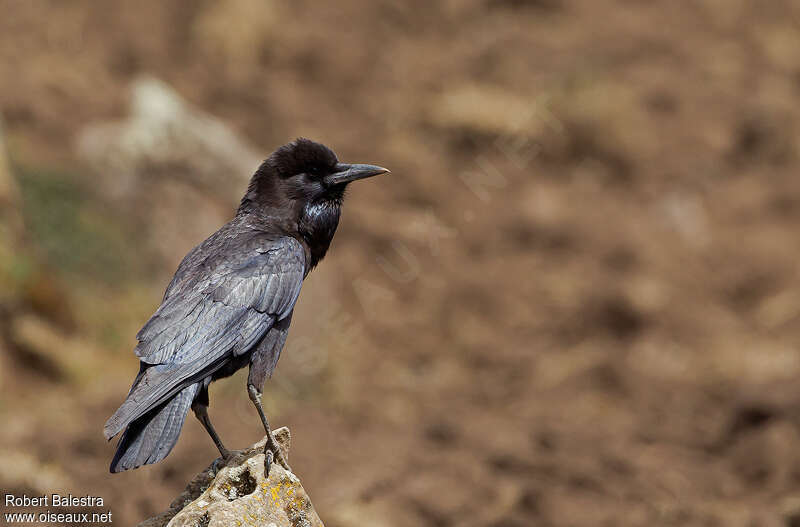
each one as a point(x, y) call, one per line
point(77, 233)
point(15, 266)
point(81, 259)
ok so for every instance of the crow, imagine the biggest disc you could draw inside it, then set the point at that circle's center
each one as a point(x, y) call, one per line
point(231, 300)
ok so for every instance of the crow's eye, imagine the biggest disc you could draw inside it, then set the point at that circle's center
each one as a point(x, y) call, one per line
point(315, 170)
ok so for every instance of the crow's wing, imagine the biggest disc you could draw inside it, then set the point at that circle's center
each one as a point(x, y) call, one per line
point(225, 302)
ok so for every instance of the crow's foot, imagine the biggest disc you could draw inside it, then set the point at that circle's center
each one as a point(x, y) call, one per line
point(272, 452)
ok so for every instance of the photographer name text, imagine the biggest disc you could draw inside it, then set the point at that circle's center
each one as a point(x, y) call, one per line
point(55, 517)
point(53, 500)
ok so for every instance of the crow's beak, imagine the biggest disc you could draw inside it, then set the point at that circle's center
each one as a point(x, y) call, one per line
point(346, 173)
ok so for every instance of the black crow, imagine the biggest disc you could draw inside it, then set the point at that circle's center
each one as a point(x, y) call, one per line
point(230, 302)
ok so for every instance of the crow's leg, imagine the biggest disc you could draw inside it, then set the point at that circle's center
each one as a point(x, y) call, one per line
point(262, 362)
point(200, 408)
point(201, 411)
point(271, 449)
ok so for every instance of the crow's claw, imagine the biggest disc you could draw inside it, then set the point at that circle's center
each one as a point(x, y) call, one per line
point(272, 452)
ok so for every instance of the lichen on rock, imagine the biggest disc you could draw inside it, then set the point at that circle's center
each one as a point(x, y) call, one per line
point(237, 494)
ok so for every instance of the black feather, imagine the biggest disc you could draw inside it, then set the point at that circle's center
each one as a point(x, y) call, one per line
point(231, 299)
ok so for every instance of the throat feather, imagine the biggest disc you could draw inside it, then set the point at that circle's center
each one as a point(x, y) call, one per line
point(318, 224)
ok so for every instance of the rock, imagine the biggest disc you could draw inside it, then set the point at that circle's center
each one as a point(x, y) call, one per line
point(233, 33)
point(790, 509)
point(236, 493)
point(165, 136)
point(21, 470)
point(488, 111)
point(176, 170)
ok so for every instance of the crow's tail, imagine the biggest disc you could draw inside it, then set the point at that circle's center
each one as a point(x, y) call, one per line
point(151, 437)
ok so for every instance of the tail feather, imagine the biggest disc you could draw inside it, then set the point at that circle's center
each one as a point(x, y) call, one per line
point(151, 437)
point(150, 389)
point(153, 386)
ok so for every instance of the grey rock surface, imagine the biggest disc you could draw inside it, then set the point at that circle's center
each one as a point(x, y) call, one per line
point(165, 136)
point(164, 162)
point(237, 494)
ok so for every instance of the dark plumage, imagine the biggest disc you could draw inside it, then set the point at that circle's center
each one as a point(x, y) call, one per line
point(230, 302)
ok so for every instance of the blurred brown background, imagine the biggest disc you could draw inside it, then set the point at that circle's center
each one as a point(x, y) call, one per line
point(576, 300)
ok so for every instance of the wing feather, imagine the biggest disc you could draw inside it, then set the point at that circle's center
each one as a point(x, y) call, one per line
point(213, 312)
point(265, 283)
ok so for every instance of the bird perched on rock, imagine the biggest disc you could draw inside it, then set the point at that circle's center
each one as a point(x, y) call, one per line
point(230, 302)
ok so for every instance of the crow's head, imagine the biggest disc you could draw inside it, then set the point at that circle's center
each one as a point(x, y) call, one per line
point(304, 171)
point(298, 190)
